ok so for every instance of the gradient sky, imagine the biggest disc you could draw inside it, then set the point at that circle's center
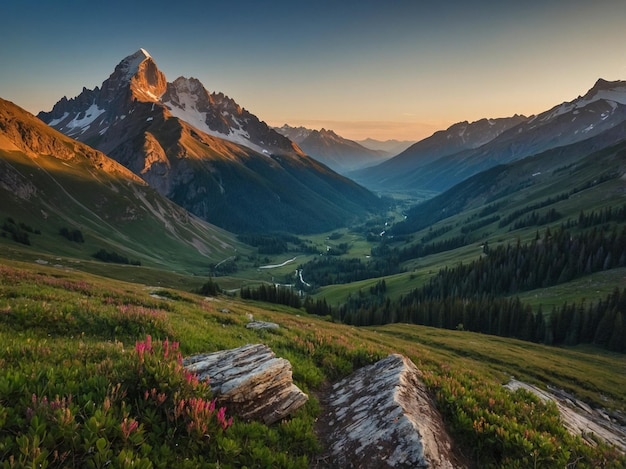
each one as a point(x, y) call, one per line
point(383, 69)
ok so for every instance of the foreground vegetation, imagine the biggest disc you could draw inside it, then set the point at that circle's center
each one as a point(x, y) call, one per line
point(91, 378)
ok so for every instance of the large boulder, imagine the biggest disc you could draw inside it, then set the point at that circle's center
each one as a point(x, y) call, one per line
point(250, 381)
point(383, 416)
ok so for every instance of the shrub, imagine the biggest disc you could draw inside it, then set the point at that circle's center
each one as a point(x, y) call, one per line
point(72, 235)
point(114, 257)
point(156, 414)
point(210, 288)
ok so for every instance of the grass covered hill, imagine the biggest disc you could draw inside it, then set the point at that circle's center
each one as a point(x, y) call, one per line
point(89, 379)
point(64, 199)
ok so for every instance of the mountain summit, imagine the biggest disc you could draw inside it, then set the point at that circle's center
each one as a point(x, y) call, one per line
point(137, 79)
point(207, 153)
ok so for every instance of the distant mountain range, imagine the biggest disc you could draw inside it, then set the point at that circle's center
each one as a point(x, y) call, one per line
point(451, 156)
point(391, 147)
point(208, 154)
point(336, 152)
point(584, 175)
point(50, 182)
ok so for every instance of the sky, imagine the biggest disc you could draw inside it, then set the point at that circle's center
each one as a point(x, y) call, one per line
point(386, 69)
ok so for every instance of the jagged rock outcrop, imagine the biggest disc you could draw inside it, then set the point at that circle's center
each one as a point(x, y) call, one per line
point(383, 416)
point(251, 381)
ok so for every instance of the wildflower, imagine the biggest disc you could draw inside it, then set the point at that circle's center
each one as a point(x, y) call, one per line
point(128, 426)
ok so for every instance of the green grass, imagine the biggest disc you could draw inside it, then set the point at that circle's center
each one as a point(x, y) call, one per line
point(53, 320)
point(593, 375)
point(590, 288)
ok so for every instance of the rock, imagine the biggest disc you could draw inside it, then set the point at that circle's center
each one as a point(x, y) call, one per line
point(383, 416)
point(578, 419)
point(250, 381)
point(256, 325)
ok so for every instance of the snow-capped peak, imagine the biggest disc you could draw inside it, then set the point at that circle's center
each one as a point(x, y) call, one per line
point(607, 90)
point(612, 91)
point(130, 65)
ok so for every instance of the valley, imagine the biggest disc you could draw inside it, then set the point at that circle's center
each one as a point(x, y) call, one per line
point(146, 210)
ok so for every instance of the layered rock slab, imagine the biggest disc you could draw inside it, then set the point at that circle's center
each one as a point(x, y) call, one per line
point(383, 416)
point(250, 381)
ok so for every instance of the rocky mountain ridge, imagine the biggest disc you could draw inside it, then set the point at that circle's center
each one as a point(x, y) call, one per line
point(206, 153)
point(438, 163)
point(339, 153)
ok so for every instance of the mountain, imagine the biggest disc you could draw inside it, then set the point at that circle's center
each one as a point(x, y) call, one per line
point(336, 152)
point(580, 176)
point(295, 134)
point(50, 182)
point(390, 147)
point(208, 154)
point(458, 137)
point(600, 109)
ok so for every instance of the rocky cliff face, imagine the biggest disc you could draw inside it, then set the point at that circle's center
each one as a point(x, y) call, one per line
point(137, 92)
point(56, 180)
point(23, 132)
point(220, 116)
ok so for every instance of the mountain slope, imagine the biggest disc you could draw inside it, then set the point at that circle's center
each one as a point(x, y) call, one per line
point(601, 108)
point(458, 137)
point(336, 152)
point(553, 174)
point(208, 154)
point(49, 182)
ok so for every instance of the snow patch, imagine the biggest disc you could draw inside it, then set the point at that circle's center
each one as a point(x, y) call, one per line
point(613, 97)
point(589, 128)
point(54, 122)
point(89, 116)
point(187, 110)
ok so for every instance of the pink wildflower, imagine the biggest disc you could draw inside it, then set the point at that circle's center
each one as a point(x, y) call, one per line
point(128, 426)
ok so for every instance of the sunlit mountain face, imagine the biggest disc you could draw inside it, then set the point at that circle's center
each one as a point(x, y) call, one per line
point(207, 153)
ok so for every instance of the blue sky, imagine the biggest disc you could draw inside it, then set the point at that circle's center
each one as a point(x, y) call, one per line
point(385, 69)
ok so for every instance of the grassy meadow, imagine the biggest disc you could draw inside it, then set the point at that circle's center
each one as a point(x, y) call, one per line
point(77, 390)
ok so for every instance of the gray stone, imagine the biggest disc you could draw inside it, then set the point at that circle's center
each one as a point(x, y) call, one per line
point(383, 416)
point(257, 325)
point(250, 381)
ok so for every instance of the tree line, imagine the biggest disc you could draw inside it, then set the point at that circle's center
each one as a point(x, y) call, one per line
point(473, 296)
point(272, 294)
point(330, 270)
point(602, 323)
